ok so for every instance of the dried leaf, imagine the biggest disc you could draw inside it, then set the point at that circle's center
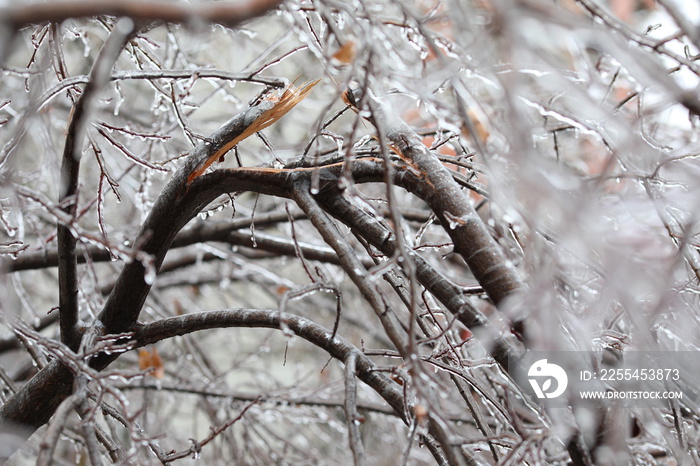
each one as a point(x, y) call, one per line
point(144, 359)
point(152, 362)
point(287, 101)
point(346, 53)
point(477, 120)
point(421, 413)
point(157, 364)
point(348, 99)
point(178, 307)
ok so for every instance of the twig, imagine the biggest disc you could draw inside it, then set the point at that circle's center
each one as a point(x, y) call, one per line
point(351, 417)
point(56, 426)
point(297, 248)
point(306, 291)
point(196, 447)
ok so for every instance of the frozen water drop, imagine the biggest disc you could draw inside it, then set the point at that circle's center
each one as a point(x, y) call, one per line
point(149, 275)
point(454, 221)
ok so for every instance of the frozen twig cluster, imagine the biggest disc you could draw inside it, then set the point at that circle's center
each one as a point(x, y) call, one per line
point(349, 270)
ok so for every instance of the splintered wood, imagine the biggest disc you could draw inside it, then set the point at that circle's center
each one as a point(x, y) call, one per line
point(287, 101)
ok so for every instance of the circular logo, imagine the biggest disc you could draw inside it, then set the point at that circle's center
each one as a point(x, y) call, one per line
point(542, 374)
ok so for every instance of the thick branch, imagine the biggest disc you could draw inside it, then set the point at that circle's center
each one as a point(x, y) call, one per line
point(337, 347)
point(37, 400)
point(451, 206)
point(503, 347)
point(70, 169)
point(177, 204)
point(225, 13)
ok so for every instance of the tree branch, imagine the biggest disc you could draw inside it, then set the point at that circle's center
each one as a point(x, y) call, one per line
point(337, 347)
point(176, 205)
point(197, 234)
point(348, 260)
point(350, 408)
point(37, 400)
point(352, 266)
point(70, 170)
point(447, 200)
point(503, 347)
point(225, 13)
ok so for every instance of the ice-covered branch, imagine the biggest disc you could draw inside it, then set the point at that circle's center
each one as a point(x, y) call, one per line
point(225, 13)
point(70, 170)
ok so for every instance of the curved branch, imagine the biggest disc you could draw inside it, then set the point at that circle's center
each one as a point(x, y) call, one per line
point(503, 346)
point(336, 346)
point(225, 13)
point(34, 404)
point(70, 170)
point(176, 205)
point(447, 200)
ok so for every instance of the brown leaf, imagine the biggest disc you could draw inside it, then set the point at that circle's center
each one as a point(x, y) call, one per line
point(421, 413)
point(157, 364)
point(477, 118)
point(346, 53)
point(152, 362)
point(144, 359)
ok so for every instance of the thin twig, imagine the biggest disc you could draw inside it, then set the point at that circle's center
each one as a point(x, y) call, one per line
point(351, 417)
